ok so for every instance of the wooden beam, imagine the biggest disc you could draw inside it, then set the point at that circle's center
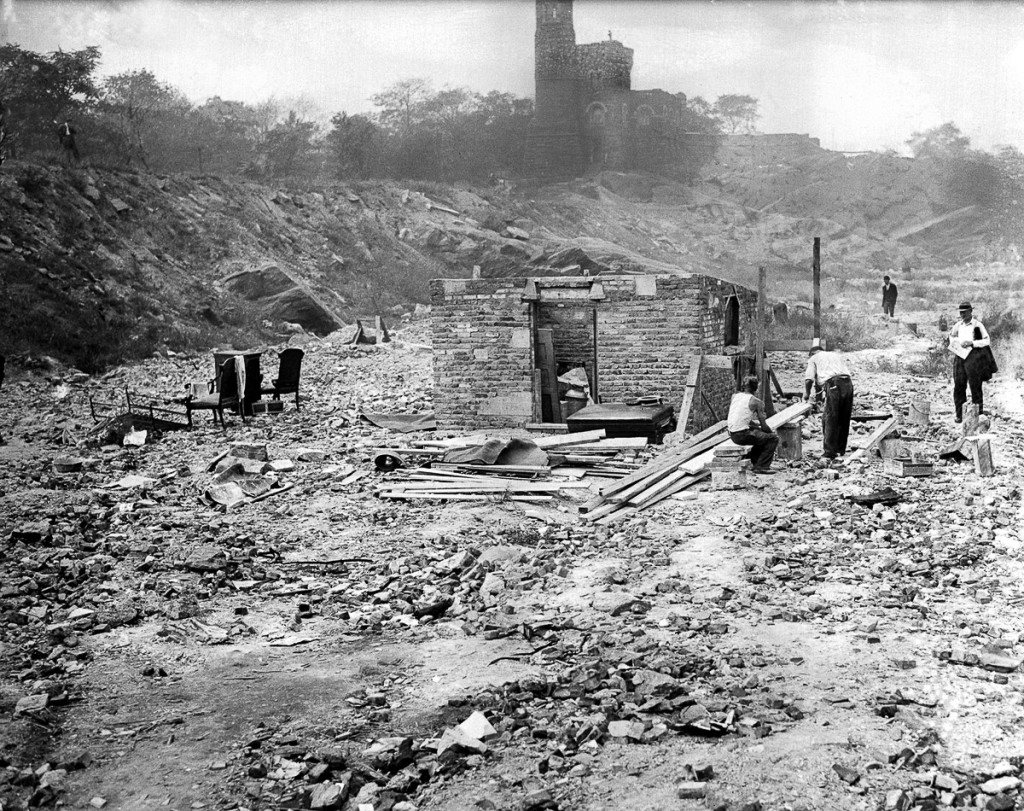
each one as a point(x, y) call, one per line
point(981, 449)
point(691, 387)
point(775, 381)
point(791, 345)
point(547, 427)
point(565, 440)
point(678, 487)
point(759, 328)
point(816, 282)
point(659, 465)
point(876, 436)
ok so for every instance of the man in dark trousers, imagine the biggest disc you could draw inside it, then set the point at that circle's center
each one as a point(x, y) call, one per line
point(973, 363)
point(66, 136)
point(747, 426)
point(888, 297)
point(828, 372)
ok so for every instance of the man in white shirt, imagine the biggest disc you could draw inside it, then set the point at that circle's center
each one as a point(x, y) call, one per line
point(828, 372)
point(747, 426)
point(973, 364)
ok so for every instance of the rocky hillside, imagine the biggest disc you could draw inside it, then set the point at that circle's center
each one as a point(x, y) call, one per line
point(102, 265)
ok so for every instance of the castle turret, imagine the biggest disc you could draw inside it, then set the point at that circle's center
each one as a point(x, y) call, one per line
point(553, 147)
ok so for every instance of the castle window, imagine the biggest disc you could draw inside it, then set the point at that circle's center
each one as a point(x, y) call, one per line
point(643, 115)
point(596, 114)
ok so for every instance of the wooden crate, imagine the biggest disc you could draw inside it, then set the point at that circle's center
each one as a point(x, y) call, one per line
point(907, 467)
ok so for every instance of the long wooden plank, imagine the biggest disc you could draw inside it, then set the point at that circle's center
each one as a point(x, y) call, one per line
point(619, 515)
point(547, 427)
point(566, 440)
point(678, 487)
point(468, 497)
point(552, 411)
point(640, 486)
point(465, 467)
point(664, 484)
point(662, 465)
point(615, 443)
point(876, 436)
point(790, 345)
point(691, 387)
point(593, 504)
point(601, 511)
point(511, 486)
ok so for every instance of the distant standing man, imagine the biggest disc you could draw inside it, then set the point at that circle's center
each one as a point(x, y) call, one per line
point(747, 426)
point(974, 363)
point(66, 135)
point(828, 372)
point(888, 297)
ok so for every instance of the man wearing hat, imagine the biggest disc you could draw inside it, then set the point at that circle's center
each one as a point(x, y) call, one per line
point(828, 372)
point(974, 363)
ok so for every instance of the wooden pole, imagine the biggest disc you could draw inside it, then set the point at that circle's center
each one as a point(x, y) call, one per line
point(816, 270)
point(761, 369)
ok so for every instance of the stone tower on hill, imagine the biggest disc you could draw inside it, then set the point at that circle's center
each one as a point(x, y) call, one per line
point(587, 116)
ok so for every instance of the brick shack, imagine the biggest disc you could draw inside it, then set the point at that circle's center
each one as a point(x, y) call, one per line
point(497, 342)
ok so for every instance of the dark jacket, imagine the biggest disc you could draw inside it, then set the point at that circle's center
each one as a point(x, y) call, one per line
point(889, 296)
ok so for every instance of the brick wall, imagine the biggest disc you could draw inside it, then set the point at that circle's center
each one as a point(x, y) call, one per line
point(648, 329)
point(483, 353)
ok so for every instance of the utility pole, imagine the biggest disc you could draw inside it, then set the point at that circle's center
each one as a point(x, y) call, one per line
point(816, 271)
point(760, 367)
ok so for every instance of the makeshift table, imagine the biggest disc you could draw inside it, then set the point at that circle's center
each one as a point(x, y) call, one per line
point(620, 420)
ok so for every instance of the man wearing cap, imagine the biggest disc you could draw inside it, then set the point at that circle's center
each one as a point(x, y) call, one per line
point(973, 363)
point(828, 372)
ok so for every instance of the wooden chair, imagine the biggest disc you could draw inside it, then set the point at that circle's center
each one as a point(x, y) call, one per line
point(216, 401)
point(287, 380)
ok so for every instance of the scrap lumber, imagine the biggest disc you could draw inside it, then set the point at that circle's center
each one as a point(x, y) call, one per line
point(649, 493)
point(664, 466)
point(981, 449)
point(613, 444)
point(565, 440)
point(876, 436)
point(691, 388)
point(663, 477)
point(678, 488)
point(517, 470)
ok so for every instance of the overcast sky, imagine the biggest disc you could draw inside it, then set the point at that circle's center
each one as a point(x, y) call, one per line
point(857, 75)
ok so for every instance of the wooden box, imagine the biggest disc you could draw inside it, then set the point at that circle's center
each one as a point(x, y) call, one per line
point(621, 420)
point(907, 467)
point(267, 407)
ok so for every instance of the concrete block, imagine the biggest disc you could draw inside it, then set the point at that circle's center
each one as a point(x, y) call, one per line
point(646, 286)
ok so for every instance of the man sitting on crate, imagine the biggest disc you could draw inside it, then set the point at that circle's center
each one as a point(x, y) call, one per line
point(747, 426)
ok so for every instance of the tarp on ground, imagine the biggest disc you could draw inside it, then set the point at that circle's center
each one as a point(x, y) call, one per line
point(403, 423)
point(499, 452)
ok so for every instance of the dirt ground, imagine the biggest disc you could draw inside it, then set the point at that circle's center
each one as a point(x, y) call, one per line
point(218, 665)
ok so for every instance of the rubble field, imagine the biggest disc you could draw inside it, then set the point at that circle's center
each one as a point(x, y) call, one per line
point(314, 646)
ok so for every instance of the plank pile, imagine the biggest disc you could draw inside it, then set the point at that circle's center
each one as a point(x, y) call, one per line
point(670, 473)
point(590, 452)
